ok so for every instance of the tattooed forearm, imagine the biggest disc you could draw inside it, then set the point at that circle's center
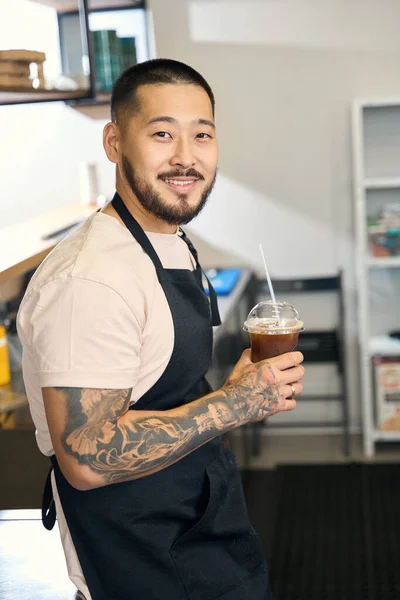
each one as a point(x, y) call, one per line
point(118, 444)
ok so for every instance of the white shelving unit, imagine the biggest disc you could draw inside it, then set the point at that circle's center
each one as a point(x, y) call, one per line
point(376, 164)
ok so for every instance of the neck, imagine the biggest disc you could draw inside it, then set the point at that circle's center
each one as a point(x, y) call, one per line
point(146, 220)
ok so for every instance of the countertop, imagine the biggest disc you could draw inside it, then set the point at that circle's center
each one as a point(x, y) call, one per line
point(22, 245)
point(228, 304)
point(32, 564)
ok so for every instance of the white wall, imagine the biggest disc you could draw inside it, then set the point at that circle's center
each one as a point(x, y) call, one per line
point(40, 155)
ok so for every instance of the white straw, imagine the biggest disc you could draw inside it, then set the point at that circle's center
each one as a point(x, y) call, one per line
point(271, 289)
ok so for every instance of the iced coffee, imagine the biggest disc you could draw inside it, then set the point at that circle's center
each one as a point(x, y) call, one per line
point(274, 329)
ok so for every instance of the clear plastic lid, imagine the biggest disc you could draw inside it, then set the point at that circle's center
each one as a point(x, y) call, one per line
point(270, 317)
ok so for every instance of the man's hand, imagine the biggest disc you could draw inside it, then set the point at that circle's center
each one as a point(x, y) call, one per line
point(264, 389)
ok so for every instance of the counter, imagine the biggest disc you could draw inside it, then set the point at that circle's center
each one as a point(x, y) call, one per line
point(32, 564)
point(227, 305)
point(22, 246)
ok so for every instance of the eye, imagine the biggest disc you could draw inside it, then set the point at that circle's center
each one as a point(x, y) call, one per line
point(162, 134)
point(203, 136)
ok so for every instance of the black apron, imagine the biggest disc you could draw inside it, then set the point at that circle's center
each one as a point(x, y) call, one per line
point(183, 532)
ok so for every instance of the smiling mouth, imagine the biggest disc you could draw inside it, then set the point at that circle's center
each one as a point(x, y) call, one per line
point(181, 184)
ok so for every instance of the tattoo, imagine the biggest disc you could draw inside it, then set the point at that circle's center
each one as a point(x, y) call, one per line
point(118, 444)
point(256, 394)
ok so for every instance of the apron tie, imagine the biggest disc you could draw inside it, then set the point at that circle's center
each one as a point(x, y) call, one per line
point(48, 504)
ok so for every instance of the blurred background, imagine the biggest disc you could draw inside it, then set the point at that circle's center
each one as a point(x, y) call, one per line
point(308, 119)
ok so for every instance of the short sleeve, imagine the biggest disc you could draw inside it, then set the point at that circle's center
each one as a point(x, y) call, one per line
point(84, 334)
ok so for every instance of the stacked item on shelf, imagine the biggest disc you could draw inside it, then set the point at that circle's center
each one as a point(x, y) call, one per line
point(16, 73)
point(387, 392)
point(128, 55)
point(384, 231)
point(112, 55)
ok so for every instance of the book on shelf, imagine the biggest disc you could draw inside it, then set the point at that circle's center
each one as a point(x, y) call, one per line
point(106, 58)
point(112, 55)
point(383, 228)
point(387, 392)
point(128, 52)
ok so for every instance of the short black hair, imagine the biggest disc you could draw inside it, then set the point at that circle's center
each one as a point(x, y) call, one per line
point(158, 71)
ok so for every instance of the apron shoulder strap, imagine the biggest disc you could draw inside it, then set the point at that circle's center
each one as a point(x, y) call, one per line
point(216, 319)
point(135, 229)
point(190, 246)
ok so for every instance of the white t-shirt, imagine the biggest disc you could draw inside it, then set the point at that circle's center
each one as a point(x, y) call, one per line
point(94, 315)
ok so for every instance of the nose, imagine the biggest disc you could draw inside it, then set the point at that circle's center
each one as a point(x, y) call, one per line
point(183, 154)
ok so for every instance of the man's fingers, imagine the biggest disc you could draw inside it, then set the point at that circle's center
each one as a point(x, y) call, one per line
point(292, 375)
point(286, 361)
point(287, 404)
point(288, 392)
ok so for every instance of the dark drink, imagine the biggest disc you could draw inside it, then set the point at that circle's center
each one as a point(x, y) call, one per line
point(267, 345)
point(274, 329)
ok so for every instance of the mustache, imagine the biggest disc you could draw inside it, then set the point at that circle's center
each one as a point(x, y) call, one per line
point(176, 173)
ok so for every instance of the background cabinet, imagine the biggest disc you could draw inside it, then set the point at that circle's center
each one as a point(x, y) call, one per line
point(376, 159)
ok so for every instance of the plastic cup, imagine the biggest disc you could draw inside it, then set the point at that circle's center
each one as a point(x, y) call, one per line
point(273, 328)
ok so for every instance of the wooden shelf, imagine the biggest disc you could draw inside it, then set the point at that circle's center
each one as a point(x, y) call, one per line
point(60, 5)
point(31, 95)
point(95, 108)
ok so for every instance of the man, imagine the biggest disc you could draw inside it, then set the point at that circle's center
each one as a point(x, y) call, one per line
point(117, 335)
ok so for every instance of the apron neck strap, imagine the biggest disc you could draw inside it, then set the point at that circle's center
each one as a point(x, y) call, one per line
point(191, 247)
point(142, 239)
point(136, 230)
point(216, 320)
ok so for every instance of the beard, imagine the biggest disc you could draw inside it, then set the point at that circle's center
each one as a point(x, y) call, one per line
point(152, 201)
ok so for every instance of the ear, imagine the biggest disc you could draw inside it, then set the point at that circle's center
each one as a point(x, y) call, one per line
point(111, 141)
